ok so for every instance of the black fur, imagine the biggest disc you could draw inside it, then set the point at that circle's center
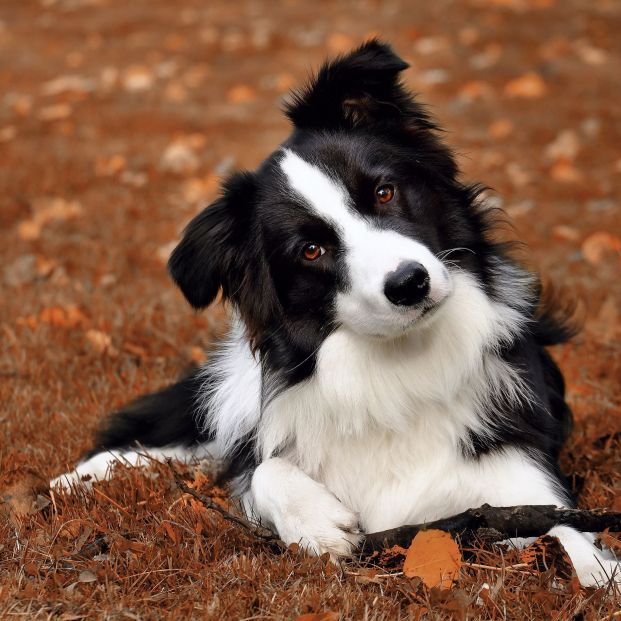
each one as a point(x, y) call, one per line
point(356, 120)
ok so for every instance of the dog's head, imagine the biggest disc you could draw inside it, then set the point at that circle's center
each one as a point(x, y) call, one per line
point(345, 224)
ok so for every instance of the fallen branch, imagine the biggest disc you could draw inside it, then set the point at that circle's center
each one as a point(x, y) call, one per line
point(487, 523)
point(260, 532)
point(498, 523)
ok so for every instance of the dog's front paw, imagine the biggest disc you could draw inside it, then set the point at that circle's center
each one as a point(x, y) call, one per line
point(325, 525)
point(302, 510)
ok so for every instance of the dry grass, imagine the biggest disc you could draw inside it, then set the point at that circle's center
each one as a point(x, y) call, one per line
point(88, 319)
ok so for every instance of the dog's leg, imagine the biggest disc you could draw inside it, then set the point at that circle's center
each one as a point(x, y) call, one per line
point(302, 510)
point(516, 479)
point(593, 566)
point(157, 426)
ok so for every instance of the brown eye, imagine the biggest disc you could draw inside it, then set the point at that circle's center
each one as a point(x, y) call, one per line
point(312, 252)
point(385, 193)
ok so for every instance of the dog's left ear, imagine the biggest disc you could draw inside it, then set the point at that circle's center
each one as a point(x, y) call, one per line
point(359, 89)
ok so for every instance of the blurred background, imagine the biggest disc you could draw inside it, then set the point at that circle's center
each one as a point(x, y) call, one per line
point(118, 119)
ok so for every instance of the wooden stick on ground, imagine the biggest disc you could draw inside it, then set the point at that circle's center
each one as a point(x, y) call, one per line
point(498, 523)
point(486, 522)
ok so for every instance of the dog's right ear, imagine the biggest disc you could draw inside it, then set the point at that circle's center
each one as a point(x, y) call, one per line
point(210, 254)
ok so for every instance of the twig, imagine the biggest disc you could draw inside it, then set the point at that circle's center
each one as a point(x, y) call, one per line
point(265, 534)
point(499, 523)
point(490, 523)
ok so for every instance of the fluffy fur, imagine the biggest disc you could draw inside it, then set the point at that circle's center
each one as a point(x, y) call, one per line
point(386, 362)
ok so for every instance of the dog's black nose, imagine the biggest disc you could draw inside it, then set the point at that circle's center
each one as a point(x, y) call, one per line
point(407, 285)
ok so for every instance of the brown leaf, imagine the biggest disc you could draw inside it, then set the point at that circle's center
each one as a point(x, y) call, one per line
point(68, 316)
point(528, 86)
point(434, 557)
point(100, 342)
point(565, 172)
point(20, 499)
point(501, 128)
point(319, 616)
point(47, 210)
point(598, 244)
point(242, 93)
point(339, 42)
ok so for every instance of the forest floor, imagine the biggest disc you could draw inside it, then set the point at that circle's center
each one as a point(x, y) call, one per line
point(117, 119)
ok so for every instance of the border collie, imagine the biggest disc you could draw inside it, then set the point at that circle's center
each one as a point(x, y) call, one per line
point(386, 359)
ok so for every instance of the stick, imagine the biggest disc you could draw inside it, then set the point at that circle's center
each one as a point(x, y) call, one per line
point(486, 522)
point(260, 532)
point(500, 523)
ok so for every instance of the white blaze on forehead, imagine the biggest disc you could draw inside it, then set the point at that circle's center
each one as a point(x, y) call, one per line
point(328, 198)
point(371, 253)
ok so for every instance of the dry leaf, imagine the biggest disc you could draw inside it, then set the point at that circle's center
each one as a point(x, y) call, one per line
point(87, 576)
point(56, 112)
point(138, 78)
point(565, 172)
point(47, 210)
point(100, 342)
point(597, 245)
point(501, 128)
point(319, 616)
point(476, 89)
point(68, 316)
point(242, 93)
point(434, 557)
point(528, 86)
point(565, 146)
point(568, 233)
point(179, 158)
point(339, 42)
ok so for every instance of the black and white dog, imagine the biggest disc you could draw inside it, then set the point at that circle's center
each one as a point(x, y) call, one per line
point(386, 359)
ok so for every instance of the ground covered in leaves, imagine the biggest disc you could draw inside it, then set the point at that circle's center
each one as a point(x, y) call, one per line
point(116, 121)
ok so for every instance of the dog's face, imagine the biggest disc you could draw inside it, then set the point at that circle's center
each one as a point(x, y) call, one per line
point(346, 224)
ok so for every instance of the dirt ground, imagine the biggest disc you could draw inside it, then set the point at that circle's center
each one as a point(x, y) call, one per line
point(116, 121)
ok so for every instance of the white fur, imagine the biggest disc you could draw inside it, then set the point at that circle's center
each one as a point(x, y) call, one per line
point(100, 467)
point(230, 401)
point(303, 511)
point(379, 434)
point(371, 255)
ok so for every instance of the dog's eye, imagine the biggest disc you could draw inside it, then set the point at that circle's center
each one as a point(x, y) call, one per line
point(385, 193)
point(312, 252)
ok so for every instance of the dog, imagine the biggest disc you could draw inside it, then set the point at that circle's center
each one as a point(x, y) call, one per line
point(386, 362)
